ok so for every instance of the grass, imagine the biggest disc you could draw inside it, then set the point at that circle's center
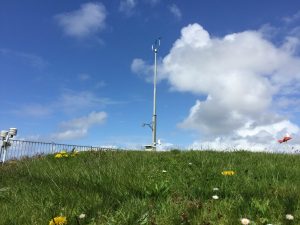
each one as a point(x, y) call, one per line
point(127, 187)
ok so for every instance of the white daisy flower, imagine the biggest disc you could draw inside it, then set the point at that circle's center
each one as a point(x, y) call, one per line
point(215, 189)
point(289, 217)
point(215, 197)
point(164, 171)
point(81, 216)
point(245, 221)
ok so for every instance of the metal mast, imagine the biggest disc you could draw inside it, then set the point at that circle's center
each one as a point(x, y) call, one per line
point(155, 47)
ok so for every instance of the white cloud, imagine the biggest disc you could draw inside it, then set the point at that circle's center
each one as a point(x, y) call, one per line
point(272, 130)
point(100, 84)
point(86, 121)
point(71, 101)
point(78, 127)
point(240, 74)
point(288, 103)
point(293, 18)
point(223, 144)
point(127, 6)
point(69, 134)
point(84, 76)
point(26, 58)
point(141, 68)
point(35, 110)
point(153, 2)
point(175, 11)
point(291, 44)
point(295, 31)
point(86, 21)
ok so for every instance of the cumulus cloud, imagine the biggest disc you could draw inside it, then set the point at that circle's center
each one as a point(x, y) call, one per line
point(240, 75)
point(175, 11)
point(127, 6)
point(139, 67)
point(86, 21)
point(78, 127)
point(144, 70)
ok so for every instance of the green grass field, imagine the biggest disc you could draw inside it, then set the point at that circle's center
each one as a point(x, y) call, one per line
point(127, 187)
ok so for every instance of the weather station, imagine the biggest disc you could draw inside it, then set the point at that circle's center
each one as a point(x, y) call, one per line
point(153, 124)
point(6, 137)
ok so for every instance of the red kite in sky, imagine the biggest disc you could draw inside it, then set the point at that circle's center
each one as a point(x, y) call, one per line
point(286, 138)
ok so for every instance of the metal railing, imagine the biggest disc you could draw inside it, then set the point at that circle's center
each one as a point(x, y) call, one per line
point(19, 149)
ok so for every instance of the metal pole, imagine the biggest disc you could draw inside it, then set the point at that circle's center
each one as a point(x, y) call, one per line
point(154, 117)
point(154, 103)
point(5, 146)
point(1, 153)
point(4, 155)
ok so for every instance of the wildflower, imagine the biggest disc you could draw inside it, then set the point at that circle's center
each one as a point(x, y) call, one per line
point(164, 171)
point(74, 153)
point(215, 189)
point(215, 197)
point(59, 220)
point(61, 154)
point(81, 216)
point(245, 221)
point(289, 217)
point(64, 153)
point(58, 155)
point(228, 173)
point(190, 163)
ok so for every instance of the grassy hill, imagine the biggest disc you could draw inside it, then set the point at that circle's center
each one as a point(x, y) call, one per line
point(151, 188)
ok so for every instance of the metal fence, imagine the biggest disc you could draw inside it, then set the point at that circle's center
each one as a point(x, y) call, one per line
point(19, 149)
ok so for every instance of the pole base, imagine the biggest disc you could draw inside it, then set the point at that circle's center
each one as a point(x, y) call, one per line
point(149, 148)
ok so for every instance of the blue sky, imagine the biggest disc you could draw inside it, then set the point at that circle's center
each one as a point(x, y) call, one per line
point(80, 72)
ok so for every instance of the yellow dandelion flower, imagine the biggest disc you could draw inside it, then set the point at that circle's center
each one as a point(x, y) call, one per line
point(63, 153)
point(228, 173)
point(59, 220)
point(74, 153)
point(58, 155)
